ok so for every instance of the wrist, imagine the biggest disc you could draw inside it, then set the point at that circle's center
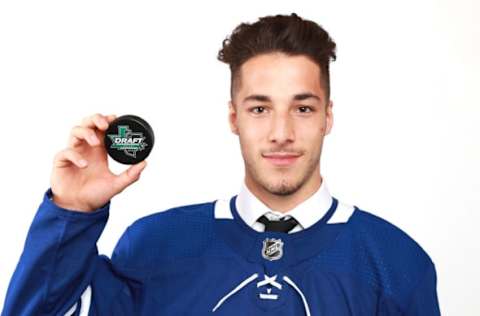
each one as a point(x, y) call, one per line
point(71, 206)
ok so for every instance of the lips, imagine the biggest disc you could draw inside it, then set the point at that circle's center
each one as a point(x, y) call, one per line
point(281, 159)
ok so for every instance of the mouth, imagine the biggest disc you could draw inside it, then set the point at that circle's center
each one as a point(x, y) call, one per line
point(281, 159)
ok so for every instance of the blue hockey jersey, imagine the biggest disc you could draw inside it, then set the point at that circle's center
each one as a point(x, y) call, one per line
point(203, 259)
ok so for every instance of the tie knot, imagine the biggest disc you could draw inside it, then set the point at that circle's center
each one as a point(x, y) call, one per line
point(280, 225)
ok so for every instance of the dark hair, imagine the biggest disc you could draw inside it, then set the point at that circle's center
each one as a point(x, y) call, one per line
point(289, 34)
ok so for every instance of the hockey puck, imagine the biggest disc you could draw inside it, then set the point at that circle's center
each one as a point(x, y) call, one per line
point(129, 139)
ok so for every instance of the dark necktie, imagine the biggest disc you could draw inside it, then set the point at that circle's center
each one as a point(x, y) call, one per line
point(281, 225)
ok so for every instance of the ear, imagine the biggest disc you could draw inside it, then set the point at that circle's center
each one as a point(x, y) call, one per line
point(232, 117)
point(329, 117)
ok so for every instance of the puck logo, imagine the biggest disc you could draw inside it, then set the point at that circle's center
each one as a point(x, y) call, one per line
point(128, 141)
point(272, 249)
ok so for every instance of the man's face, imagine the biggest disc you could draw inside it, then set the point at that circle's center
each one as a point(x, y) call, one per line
point(276, 112)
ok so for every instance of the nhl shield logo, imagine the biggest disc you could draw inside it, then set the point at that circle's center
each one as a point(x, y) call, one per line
point(272, 249)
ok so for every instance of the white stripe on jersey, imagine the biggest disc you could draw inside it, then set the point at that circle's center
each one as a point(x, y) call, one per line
point(342, 213)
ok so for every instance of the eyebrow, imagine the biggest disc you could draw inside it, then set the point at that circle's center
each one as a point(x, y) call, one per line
point(266, 98)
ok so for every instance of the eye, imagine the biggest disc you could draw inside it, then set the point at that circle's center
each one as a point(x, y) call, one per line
point(257, 107)
point(306, 107)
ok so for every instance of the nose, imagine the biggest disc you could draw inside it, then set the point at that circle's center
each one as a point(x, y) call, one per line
point(282, 128)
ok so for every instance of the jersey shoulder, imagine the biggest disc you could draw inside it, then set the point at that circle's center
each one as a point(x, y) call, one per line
point(389, 257)
point(376, 231)
point(180, 232)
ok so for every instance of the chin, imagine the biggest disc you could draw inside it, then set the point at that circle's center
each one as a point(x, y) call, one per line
point(279, 185)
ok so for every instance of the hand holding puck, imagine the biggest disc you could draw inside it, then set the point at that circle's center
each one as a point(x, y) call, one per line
point(129, 139)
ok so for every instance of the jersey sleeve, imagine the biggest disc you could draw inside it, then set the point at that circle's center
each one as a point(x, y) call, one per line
point(424, 300)
point(60, 262)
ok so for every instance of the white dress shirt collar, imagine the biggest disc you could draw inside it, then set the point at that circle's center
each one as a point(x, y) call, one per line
point(307, 213)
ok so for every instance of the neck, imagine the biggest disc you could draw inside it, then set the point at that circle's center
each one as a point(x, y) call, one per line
point(285, 203)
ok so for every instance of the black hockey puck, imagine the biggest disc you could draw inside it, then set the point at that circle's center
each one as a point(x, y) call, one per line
point(129, 139)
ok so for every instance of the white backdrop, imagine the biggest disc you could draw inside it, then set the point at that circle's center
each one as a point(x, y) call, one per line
point(404, 145)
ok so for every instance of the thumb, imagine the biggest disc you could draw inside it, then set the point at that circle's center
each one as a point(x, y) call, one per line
point(129, 176)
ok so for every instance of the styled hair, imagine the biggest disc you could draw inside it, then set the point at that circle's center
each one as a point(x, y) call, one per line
point(289, 34)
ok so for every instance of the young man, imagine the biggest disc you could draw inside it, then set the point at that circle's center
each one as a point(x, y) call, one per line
point(236, 256)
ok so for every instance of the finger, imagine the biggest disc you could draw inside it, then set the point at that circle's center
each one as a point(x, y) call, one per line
point(68, 156)
point(96, 121)
point(129, 176)
point(80, 133)
point(111, 117)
